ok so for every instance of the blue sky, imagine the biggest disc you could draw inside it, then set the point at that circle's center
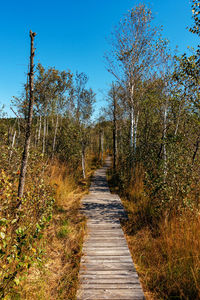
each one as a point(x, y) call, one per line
point(71, 35)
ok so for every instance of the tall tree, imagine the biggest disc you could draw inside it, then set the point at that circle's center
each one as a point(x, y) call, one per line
point(135, 45)
point(83, 99)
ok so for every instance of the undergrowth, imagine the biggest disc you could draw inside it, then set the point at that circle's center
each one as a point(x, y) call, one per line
point(41, 244)
point(165, 246)
point(57, 277)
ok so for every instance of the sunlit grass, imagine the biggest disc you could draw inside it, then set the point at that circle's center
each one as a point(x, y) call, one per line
point(165, 250)
point(57, 278)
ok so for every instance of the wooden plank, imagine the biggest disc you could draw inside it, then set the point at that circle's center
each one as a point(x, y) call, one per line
point(108, 252)
point(106, 270)
point(104, 227)
point(106, 238)
point(94, 247)
point(106, 266)
point(120, 294)
point(110, 277)
point(95, 222)
point(108, 245)
point(104, 234)
point(102, 259)
point(110, 281)
point(130, 285)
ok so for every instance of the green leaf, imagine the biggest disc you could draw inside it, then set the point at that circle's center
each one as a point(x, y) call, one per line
point(16, 280)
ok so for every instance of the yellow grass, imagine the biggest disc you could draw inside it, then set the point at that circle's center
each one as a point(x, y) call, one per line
point(57, 278)
point(168, 257)
point(166, 251)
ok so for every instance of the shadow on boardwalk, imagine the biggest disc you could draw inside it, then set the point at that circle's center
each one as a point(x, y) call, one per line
point(107, 270)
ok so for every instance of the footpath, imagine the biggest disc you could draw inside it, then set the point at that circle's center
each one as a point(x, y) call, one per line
point(107, 270)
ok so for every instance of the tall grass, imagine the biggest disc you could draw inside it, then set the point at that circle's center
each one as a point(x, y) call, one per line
point(57, 278)
point(165, 247)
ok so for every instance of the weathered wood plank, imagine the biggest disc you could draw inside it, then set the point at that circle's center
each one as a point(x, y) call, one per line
point(94, 247)
point(111, 285)
point(105, 234)
point(120, 294)
point(96, 243)
point(110, 277)
point(99, 237)
point(107, 270)
point(108, 252)
point(110, 281)
point(102, 259)
point(105, 266)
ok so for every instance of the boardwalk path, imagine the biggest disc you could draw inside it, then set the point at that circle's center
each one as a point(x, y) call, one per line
point(107, 270)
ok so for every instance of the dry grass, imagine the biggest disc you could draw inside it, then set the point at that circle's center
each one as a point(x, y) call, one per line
point(57, 278)
point(169, 264)
point(166, 251)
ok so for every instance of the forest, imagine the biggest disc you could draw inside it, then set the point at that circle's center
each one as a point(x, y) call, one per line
point(50, 149)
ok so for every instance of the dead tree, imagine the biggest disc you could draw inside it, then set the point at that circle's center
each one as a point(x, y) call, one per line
point(28, 124)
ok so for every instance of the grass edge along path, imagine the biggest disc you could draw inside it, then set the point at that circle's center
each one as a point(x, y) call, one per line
point(166, 257)
point(57, 276)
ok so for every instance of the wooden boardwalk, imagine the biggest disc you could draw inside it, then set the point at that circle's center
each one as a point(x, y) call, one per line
point(107, 270)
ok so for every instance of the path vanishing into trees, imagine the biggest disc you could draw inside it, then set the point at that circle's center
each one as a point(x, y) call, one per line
point(107, 270)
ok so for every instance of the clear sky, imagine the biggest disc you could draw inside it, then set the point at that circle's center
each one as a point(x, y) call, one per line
point(71, 35)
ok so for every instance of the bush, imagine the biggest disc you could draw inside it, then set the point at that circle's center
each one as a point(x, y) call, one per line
point(21, 229)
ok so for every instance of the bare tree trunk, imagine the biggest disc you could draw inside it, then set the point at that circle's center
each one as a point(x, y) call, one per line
point(19, 131)
point(196, 150)
point(102, 146)
point(178, 119)
point(47, 128)
point(132, 126)
point(12, 146)
point(164, 139)
point(39, 130)
point(55, 133)
point(134, 119)
point(83, 160)
point(36, 133)
point(135, 131)
point(114, 131)
point(9, 135)
point(44, 136)
point(29, 122)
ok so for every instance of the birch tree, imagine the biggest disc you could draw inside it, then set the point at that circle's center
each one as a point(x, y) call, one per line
point(135, 46)
point(83, 99)
point(50, 93)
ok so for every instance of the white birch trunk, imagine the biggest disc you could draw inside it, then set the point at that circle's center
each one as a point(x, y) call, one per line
point(19, 132)
point(135, 131)
point(12, 146)
point(178, 119)
point(132, 116)
point(83, 161)
point(55, 133)
point(39, 130)
point(47, 127)
point(164, 139)
point(44, 136)
point(132, 126)
point(36, 134)
point(102, 142)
